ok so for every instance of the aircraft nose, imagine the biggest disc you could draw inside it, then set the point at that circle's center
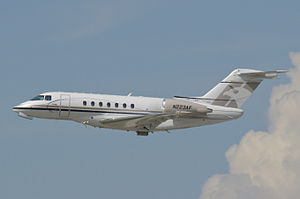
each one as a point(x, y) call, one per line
point(21, 106)
point(22, 110)
point(15, 108)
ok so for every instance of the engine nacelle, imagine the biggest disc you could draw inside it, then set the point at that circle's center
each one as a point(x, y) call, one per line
point(178, 105)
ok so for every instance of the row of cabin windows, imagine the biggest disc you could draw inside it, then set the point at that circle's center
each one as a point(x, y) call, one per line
point(108, 104)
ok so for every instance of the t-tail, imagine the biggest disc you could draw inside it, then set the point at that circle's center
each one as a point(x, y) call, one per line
point(234, 90)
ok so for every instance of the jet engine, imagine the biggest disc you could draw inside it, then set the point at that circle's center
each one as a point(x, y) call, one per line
point(177, 105)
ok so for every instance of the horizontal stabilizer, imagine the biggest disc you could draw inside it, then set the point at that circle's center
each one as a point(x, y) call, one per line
point(261, 74)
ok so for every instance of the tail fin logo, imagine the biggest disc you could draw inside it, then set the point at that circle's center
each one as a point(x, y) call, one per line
point(234, 94)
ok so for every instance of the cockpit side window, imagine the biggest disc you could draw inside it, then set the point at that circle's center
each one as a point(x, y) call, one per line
point(39, 97)
point(48, 97)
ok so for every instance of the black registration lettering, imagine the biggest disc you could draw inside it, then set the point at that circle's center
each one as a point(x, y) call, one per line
point(182, 107)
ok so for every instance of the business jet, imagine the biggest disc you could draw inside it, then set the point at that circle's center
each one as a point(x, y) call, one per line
point(146, 114)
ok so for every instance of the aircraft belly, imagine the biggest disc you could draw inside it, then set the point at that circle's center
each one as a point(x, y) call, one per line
point(95, 119)
point(178, 123)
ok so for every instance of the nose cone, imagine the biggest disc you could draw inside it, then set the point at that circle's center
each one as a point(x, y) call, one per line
point(22, 110)
point(16, 108)
point(21, 107)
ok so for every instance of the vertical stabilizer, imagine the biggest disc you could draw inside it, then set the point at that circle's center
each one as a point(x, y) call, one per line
point(234, 90)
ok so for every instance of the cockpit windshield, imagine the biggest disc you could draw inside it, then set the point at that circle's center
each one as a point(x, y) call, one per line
point(39, 97)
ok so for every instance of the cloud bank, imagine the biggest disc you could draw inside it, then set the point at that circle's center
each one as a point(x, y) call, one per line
point(266, 164)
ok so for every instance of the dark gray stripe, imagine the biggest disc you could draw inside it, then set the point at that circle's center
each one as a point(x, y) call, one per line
point(77, 110)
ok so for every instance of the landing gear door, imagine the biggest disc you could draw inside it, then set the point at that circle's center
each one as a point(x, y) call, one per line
point(64, 106)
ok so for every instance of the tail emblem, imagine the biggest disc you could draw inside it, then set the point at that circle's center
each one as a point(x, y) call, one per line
point(235, 93)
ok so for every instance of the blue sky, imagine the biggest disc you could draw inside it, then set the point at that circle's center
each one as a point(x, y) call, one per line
point(158, 48)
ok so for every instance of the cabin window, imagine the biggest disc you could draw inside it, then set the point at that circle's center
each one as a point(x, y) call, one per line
point(84, 103)
point(116, 105)
point(93, 103)
point(124, 105)
point(132, 105)
point(48, 97)
point(100, 104)
point(39, 97)
point(108, 104)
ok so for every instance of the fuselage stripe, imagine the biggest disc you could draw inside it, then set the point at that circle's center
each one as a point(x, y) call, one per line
point(79, 110)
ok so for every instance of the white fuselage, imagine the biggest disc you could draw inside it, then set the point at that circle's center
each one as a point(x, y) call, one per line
point(148, 114)
point(95, 109)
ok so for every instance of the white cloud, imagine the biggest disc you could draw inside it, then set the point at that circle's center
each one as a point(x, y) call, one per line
point(266, 164)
